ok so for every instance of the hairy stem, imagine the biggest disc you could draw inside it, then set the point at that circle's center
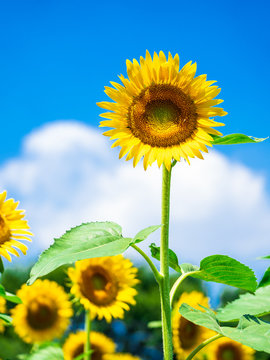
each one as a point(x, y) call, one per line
point(164, 267)
point(87, 347)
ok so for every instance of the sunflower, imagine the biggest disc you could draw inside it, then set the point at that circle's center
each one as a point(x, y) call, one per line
point(44, 313)
point(13, 227)
point(161, 113)
point(100, 344)
point(104, 285)
point(121, 356)
point(186, 335)
point(2, 311)
point(227, 349)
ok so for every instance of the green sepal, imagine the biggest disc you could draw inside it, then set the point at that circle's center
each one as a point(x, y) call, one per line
point(173, 260)
point(250, 331)
point(8, 296)
point(6, 318)
point(234, 139)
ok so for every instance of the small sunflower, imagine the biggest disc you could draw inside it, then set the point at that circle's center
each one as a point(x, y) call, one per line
point(44, 313)
point(227, 349)
point(186, 335)
point(13, 227)
point(121, 356)
point(104, 285)
point(2, 311)
point(100, 344)
point(161, 113)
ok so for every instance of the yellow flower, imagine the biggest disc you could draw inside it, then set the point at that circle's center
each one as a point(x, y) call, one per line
point(186, 335)
point(100, 344)
point(13, 227)
point(104, 285)
point(121, 356)
point(44, 313)
point(2, 311)
point(227, 349)
point(161, 113)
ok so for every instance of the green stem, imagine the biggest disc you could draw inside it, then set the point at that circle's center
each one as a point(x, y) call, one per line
point(150, 263)
point(164, 266)
point(177, 283)
point(87, 347)
point(202, 345)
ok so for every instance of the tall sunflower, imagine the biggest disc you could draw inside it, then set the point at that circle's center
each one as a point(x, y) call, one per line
point(227, 349)
point(13, 228)
point(3, 310)
point(186, 335)
point(44, 313)
point(161, 113)
point(104, 285)
point(100, 344)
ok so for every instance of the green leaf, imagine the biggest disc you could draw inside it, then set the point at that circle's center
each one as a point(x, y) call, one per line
point(155, 324)
point(250, 331)
point(95, 239)
point(266, 278)
point(257, 304)
point(6, 318)
point(1, 265)
point(8, 296)
point(173, 260)
point(82, 356)
point(49, 352)
point(225, 270)
point(235, 139)
point(143, 234)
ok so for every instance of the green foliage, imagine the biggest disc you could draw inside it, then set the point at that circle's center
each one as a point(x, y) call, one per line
point(6, 318)
point(265, 279)
point(250, 331)
point(235, 139)
point(8, 296)
point(225, 270)
point(143, 234)
point(173, 260)
point(86, 241)
point(257, 304)
point(1, 265)
point(51, 352)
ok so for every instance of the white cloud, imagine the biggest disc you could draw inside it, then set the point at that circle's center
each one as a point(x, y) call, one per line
point(66, 174)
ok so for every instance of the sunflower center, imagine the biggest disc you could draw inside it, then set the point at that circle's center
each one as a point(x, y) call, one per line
point(162, 115)
point(4, 231)
point(41, 314)
point(188, 334)
point(228, 351)
point(98, 285)
point(96, 354)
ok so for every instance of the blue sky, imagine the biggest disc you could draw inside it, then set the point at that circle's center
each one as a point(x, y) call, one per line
point(57, 56)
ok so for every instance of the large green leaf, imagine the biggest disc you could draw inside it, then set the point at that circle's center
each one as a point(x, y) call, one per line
point(225, 270)
point(143, 234)
point(257, 304)
point(250, 331)
point(173, 260)
point(95, 239)
point(235, 139)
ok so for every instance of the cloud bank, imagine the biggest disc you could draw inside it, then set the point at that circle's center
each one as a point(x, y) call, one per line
point(66, 174)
